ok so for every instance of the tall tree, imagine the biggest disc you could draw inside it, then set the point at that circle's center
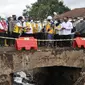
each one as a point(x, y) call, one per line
point(43, 8)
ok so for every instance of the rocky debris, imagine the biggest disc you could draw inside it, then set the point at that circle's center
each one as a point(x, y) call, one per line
point(4, 83)
point(21, 78)
point(4, 79)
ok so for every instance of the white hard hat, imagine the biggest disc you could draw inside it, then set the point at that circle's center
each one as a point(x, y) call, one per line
point(55, 13)
point(49, 18)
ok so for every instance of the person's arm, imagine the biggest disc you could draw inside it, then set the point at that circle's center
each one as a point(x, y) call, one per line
point(24, 25)
point(58, 27)
point(62, 26)
point(6, 29)
point(18, 24)
point(1, 27)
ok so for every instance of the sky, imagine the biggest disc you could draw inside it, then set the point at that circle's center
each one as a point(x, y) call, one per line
point(9, 7)
point(74, 3)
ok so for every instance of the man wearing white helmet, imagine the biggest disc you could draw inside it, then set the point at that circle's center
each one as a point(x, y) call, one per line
point(49, 18)
point(49, 28)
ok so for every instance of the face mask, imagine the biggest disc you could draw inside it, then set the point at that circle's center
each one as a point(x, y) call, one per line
point(22, 20)
point(31, 21)
point(70, 20)
point(55, 22)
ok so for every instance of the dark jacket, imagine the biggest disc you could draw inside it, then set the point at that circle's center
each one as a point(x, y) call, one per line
point(80, 27)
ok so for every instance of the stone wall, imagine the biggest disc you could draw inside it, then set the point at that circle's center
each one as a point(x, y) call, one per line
point(45, 58)
point(13, 61)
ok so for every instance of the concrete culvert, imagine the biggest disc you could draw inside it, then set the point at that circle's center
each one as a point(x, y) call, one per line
point(56, 75)
point(48, 76)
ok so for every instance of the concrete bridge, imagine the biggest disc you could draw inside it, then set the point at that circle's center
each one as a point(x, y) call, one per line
point(13, 61)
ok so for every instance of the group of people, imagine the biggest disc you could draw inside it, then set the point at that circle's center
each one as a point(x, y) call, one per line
point(59, 28)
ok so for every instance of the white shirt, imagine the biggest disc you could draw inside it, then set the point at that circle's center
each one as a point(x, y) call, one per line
point(20, 24)
point(68, 28)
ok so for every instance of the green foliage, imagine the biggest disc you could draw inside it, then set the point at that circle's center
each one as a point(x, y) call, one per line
point(43, 8)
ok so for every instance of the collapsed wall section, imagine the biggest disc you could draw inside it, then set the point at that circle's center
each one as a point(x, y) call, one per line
point(13, 61)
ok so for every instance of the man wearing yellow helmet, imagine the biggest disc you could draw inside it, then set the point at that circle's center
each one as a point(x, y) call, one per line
point(18, 29)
